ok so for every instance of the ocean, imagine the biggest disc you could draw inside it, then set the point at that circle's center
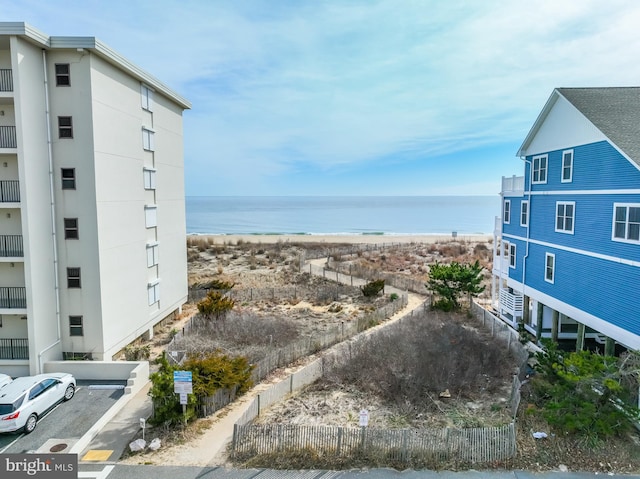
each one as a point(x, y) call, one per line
point(341, 215)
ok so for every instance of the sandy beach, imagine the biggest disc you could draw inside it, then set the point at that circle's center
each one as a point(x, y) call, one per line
point(349, 239)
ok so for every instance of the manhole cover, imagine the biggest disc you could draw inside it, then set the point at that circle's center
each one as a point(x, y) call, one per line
point(58, 448)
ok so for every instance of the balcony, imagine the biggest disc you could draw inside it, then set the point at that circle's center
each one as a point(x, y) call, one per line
point(6, 80)
point(14, 348)
point(11, 246)
point(8, 137)
point(511, 304)
point(13, 297)
point(10, 191)
point(501, 263)
point(512, 185)
point(497, 226)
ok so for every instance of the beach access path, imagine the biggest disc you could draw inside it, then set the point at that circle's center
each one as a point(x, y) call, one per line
point(210, 448)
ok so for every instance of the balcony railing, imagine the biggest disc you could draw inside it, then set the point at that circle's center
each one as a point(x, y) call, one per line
point(10, 191)
point(13, 297)
point(8, 137)
point(6, 80)
point(501, 262)
point(11, 246)
point(512, 185)
point(511, 303)
point(12, 348)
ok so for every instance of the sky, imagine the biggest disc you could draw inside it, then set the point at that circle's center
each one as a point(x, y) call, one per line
point(356, 97)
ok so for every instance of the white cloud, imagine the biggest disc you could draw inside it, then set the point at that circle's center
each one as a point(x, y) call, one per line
point(279, 85)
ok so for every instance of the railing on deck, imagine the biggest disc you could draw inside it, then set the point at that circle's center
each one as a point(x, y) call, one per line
point(6, 80)
point(8, 137)
point(14, 348)
point(10, 191)
point(13, 297)
point(11, 246)
point(512, 185)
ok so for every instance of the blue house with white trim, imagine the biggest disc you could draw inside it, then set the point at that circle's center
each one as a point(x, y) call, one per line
point(567, 249)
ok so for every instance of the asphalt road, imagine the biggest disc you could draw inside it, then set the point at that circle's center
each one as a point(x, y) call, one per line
point(171, 472)
point(67, 421)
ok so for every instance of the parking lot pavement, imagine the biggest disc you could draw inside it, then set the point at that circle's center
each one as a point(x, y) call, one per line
point(115, 436)
point(68, 421)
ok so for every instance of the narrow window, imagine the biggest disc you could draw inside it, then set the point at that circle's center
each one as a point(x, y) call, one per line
point(147, 139)
point(151, 216)
point(63, 77)
point(71, 228)
point(75, 326)
point(65, 127)
point(146, 95)
point(539, 169)
point(506, 214)
point(524, 213)
point(149, 178)
point(550, 266)
point(512, 255)
point(152, 254)
point(154, 292)
point(68, 178)
point(626, 223)
point(565, 217)
point(567, 166)
point(73, 278)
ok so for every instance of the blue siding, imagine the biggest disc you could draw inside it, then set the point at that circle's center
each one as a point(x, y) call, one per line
point(597, 166)
point(516, 273)
point(593, 223)
point(514, 227)
point(602, 288)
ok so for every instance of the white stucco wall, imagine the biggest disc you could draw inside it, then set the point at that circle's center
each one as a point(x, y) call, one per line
point(29, 98)
point(107, 154)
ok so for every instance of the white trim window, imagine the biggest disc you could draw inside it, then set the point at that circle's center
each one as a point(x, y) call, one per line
point(153, 289)
point(567, 166)
point(549, 267)
point(539, 169)
point(626, 222)
point(512, 255)
point(147, 139)
point(76, 327)
point(524, 213)
point(506, 212)
point(565, 216)
point(149, 175)
point(151, 216)
point(153, 250)
point(146, 98)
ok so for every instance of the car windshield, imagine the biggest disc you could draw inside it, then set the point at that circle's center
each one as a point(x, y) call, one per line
point(11, 407)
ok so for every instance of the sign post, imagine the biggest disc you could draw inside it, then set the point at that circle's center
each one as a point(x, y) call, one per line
point(143, 424)
point(183, 385)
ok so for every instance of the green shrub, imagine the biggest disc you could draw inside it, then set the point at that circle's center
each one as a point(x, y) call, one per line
point(372, 288)
point(583, 393)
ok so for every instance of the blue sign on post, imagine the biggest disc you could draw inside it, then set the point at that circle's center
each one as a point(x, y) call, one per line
point(182, 382)
point(182, 376)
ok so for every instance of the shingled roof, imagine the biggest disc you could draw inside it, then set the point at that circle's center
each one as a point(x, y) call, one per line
point(614, 111)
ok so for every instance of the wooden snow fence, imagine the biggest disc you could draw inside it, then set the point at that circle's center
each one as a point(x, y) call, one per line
point(470, 445)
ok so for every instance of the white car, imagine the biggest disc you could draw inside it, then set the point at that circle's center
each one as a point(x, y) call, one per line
point(25, 400)
point(4, 380)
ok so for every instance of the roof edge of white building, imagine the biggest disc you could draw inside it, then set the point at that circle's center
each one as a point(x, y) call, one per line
point(96, 46)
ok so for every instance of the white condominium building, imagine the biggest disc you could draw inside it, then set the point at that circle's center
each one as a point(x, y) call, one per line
point(92, 209)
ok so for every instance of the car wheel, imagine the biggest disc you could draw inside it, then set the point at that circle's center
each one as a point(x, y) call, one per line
point(32, 421)
point(69, 392)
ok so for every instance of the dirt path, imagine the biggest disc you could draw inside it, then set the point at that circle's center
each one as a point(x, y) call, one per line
point(210, 448)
